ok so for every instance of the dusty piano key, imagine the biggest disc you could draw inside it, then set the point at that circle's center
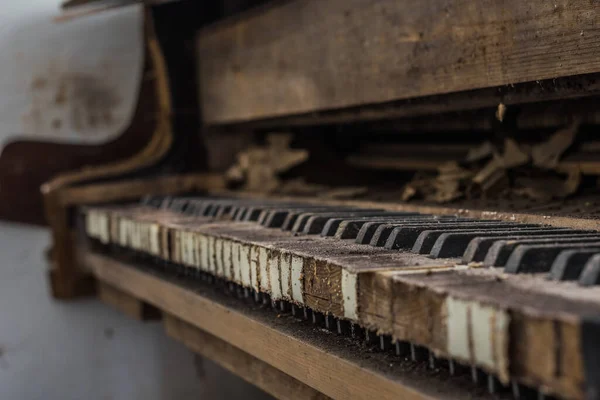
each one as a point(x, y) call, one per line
point(454, 244)
point(427, 239)
point(351, 229)
point(275, 218)
point(305, 218)
point(590, 276)
point(257, 211)
point(317, 223)
point(570, 263)
point(238, 212)
point(292, 217)
point(332, 225)
point(479, 246)
point(254, 211)
point(283, 208)
point(500, 251)
point(536, 258)
point(152, 201)
point(403, 237)
point(382, 233)
point(225, 207)
point(367, 230)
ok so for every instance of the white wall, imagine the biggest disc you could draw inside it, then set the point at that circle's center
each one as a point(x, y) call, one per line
point(70, 81)
point(84, 349)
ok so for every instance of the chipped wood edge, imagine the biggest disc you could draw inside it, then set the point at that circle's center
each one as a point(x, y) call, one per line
point(306, 362)
point(238, 362)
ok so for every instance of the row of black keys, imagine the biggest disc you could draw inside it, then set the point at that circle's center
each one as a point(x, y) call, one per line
point(567, 254)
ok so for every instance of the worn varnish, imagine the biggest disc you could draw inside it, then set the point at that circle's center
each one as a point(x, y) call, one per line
point(300, 57)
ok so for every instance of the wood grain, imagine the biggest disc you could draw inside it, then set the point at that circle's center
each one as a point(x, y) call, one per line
point(126, 303)
point(136, 188)
point(305, 361)
point(249, 368)
point(301, 57)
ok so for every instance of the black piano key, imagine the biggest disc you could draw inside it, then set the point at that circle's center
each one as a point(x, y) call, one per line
point(590, 276)
point(570, 263)
point(383, 232)
point(274, 218)
point(152, 201)
point(315, 223)
point(479, 246)
point(366, 232)
point(404, 238)
point(454, 244)
point(536, 258)
point(590, 351)
point(292, 217)
point(427, 239)
point(303, 218)
point(500, 251)
point(332, 225)
point(353, 229)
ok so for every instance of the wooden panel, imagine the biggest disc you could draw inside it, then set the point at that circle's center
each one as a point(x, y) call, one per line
point(313, 362)
point(135, 188)
point(249, 368)
point(127, 304)
point(307, 56)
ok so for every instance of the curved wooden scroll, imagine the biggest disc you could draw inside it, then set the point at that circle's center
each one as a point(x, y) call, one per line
point(66, 279)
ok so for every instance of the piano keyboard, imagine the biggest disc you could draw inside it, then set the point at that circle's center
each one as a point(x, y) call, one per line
point(518, 301)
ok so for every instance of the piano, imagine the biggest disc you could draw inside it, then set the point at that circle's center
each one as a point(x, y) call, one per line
point(357, 198)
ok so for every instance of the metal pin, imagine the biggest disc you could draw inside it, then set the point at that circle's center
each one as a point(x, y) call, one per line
point(431, 360)
point(305, 312)
point(474, 375)
point(314, 317)
point(246, 293)
point(451, 367)
point(327, 321)
point(265, 299)
point(413, 352)
point(282, 306)
point(293, 310)
point(516, 390)
point(397, 348)
point(339, 326)
point(367, 338)
point(541, 396)
point(352, 331)
point(491, 381)
point(382, 343)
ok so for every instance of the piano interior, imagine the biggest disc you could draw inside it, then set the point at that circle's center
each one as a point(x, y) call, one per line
point(358, 198)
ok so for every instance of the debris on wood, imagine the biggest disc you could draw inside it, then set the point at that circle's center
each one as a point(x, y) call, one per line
point(408, 193)
point(344, 192)
point(500, 112)
point(448, 184)
point(299, 186)
point(549, 188)
point(488, 170)
point(481, 152)
point(259, 167)
point(547, 154)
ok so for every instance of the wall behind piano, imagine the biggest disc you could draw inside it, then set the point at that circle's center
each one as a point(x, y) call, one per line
point(84, 349)
point(69, 88)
